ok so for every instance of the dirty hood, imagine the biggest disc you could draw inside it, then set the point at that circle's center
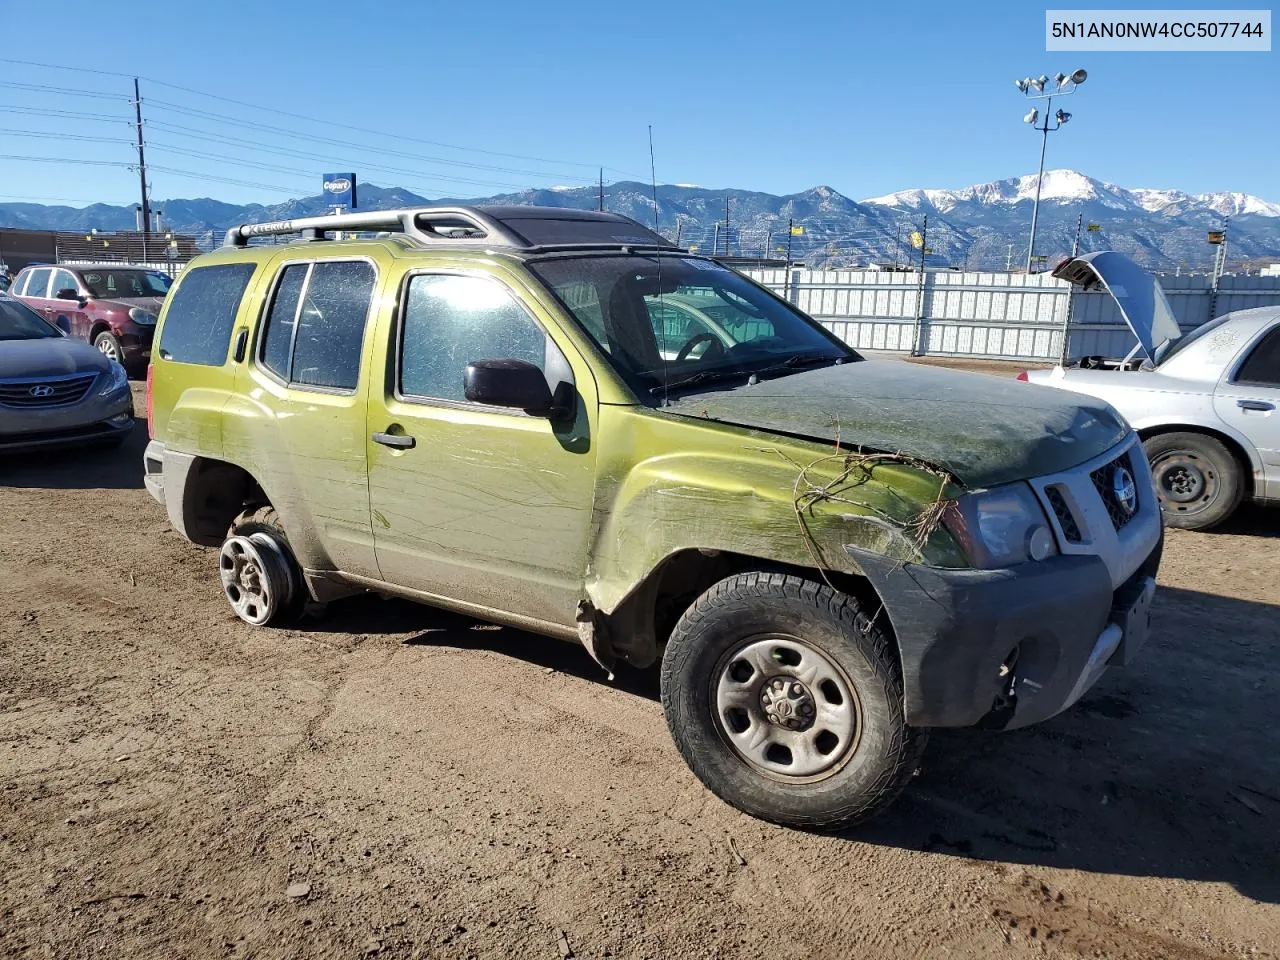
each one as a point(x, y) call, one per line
point(983, 430)
point(1136, 292)
point(150, 304)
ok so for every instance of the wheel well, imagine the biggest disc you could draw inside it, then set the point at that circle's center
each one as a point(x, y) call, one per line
point(640, 625)
point(100, 327)
point(1237, 451)
point(214, 493)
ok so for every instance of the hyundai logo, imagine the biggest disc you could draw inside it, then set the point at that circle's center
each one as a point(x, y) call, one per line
point(1124, 489)
point(338, 186)
point(41, 390)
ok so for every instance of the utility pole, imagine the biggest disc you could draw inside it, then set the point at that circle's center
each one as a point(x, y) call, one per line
point(726, 226)
point(924, 248)
point(601, 205)
point(1219, 239)
point(897, 247)
point(1008, 260)
point(142, 170)
point(679, 229)
point(1075, 246)
point(786, 283)
point(768, 239)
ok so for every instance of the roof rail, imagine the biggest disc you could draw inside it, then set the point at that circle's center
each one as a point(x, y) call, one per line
point(424, 224)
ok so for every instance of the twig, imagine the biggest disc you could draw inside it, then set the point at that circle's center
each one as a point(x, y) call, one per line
point(742, 861)
point(116, 602)
point(115, 896)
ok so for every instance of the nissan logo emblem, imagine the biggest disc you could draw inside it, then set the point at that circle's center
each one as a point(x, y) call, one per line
point(41, 390)
point(1124, 489)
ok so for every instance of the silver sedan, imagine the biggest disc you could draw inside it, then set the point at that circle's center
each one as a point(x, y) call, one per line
point(1206, 405)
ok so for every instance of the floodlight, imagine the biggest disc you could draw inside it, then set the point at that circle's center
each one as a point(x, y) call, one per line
point(1032, 116)
point(1061, 78)
point(1021, 85)
point(1062, 117)
point(1079, 77)
point(1039, 84)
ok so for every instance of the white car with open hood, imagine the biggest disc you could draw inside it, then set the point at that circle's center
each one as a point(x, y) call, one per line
point(1206, 404)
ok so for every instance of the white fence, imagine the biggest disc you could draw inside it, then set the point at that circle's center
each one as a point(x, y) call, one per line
point(993, 315)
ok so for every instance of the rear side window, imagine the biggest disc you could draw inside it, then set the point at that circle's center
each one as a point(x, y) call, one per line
point(36, 283)
point(1263, 365)
point(201, 314)
point(314, 328)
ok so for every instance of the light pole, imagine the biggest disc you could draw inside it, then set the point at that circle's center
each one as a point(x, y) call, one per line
point(1066, 85)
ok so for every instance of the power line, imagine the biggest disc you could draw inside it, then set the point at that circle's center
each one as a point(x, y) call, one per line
point(69, 114)
point(332, 141)
point(64, 91)
point(9, 131)
point(323, 122)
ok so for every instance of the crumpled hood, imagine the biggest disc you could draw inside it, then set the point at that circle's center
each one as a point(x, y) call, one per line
point(49, 357)
point(983, 430)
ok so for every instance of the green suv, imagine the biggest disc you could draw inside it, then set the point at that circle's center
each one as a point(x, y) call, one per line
point(495, 410)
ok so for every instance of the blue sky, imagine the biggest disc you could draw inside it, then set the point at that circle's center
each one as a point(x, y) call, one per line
point(766, 96)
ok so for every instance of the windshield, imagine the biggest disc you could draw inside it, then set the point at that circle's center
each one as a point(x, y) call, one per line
point(1172, 347)
point(126, 284)
point(673, 322)
point(20, 322)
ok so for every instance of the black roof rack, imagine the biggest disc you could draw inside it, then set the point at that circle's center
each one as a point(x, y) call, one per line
point(525, 228)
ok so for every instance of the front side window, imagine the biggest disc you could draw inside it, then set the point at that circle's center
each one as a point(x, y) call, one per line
point(674, 322)
point(63, 280)
point(199, 317)
point(451, 321)
point(314, 328)
point(1263, 364)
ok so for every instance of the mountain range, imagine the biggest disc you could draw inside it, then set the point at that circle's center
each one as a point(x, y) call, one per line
point(985, 226)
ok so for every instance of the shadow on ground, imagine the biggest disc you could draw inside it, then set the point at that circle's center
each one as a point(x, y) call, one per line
point(1171, 768)
point(79, 468)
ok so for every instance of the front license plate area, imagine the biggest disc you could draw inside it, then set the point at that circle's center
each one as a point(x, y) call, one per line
point(1135, 622)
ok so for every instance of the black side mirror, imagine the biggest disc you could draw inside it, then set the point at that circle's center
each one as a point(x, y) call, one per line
point(68, 293)
point(510, 383)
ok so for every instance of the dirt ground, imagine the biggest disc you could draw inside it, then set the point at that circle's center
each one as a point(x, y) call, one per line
point(392, 781)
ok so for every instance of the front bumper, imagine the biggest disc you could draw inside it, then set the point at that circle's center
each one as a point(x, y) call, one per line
point(95, 419)
point(1008, 647)
point(111, 430)
point(135, 344)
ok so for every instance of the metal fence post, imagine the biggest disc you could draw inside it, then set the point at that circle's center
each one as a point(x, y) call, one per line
point(919, 324)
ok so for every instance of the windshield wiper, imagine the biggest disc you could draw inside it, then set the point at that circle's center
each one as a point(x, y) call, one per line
point(702, 376)
point(796, 361)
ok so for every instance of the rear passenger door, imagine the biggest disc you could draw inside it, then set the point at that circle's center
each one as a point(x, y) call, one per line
point(1249, 400)
point(304, 395)
point(34, 289)
point(486, 505)
point(66, 315)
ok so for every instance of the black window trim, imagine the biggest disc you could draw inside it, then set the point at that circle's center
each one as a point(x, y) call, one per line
point(1247, 354)
point(402, 305)
point(244, 295)
point(260, 328)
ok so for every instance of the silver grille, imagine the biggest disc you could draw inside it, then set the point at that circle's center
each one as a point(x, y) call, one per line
point(53, 392)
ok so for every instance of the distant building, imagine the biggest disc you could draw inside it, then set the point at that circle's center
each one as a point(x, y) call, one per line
point(1270, 270)
point(21, 248)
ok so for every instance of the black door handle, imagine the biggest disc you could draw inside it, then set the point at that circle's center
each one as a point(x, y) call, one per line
point(1261, 406)
point(399, 440)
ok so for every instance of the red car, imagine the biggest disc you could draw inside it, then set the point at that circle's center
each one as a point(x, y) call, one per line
point(113, 306)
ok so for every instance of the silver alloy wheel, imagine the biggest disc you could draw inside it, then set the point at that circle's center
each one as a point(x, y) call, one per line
point(785, 708)
point(255, 577)
point(107, 347)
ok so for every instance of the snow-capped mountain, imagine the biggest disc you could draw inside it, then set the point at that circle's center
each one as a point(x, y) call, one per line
point(1070, 186)
point(981, 226)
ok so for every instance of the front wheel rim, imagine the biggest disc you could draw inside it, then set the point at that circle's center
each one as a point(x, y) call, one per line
point(785, 708)
point(255, 577)
point(1186, 483)
point(108, 348)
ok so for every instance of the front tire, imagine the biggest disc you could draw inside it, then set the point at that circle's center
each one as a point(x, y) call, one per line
point(786, 701)
point(1198, 480)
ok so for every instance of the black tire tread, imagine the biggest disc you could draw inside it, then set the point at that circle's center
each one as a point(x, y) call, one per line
point(907, 743)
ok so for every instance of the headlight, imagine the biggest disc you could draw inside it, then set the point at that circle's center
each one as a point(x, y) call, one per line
point(142, 318)
point(117, 380)
point(1001, 527)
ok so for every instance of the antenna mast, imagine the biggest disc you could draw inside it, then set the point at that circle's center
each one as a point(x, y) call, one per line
point(653, 177)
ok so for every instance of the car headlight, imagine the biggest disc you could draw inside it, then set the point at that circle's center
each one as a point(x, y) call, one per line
point(1001, 527)
point(117, 380)
point(142, 317)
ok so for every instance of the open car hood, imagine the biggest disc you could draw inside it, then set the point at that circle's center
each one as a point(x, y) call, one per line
point(1136, 292)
